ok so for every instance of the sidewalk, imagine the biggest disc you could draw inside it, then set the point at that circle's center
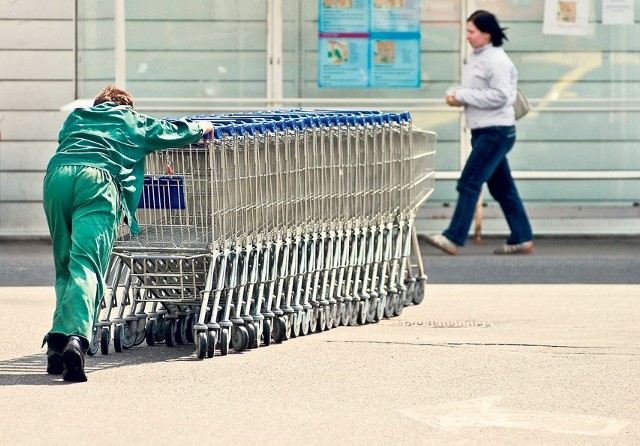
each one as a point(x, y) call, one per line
point(595, 260)
point(484, 363)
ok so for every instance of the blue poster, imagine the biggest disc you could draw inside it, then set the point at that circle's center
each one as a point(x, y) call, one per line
point(344, 62)
point(369, 44)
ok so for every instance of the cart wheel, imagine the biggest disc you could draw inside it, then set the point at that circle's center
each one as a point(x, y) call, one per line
point(304, 323)
point(258, 328)
point(181, 330)
point(410, 283)
point(322, 320)
point(337, 320)
point(189, 334)
point(346, 313)
point(380, 306)
point(129, 334)
point(419, 291)
point(105, 339)
point(150, 331)
point(161, 328)
point(279, 329)
point(355, 311)
point(118, 334)
point(372, 309)
point(240, 338)
point(390, 306)
point(170, 333)
point(397, 311)
point(212, 338)
point(296, 324)
point(252, 335)
point(200, 341)
point(266, 332)
point(94, 345)
point(330, 315)
point(313, 319)
point(363, 307)
point(288, 327)
point(224, 342)
point(140, 331)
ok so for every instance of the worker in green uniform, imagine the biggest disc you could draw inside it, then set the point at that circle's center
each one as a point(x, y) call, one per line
point(94, 177)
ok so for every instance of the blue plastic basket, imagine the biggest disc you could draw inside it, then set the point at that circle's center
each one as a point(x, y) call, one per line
point(162, 192)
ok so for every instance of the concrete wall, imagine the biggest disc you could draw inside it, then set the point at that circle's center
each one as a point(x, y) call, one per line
point(37, 74)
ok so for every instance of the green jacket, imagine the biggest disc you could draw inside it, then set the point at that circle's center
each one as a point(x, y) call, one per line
point(116, 138)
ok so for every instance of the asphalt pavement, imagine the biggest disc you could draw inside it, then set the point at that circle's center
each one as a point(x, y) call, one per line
point(537, 349)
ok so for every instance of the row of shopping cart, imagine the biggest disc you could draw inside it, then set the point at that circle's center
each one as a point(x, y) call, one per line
point(284, 223)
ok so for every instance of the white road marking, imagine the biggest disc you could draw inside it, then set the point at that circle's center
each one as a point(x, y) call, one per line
point(482, 412)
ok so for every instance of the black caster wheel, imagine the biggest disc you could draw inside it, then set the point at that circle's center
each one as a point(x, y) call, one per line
point(170, 333)
point(330, 315)
point(355, 311)
point(124, 336)
point(346, 315)
point(200, 341)
point(363, 306)
point(313, 319)
point(105, 339)
point(212, 339)
point(419, 291)
point(296, 324)
point(252, 335)
point(189, 334)
point(181, 330)
point(372, 309)
point(410, 285)
point(279, 329)
point(94, 344)
point(240, 338)
point(257, 326)
point(224, 342)
point(161, 328)
point(266, 332)
point(380, 306)
point(150, 331)
point(304, 324)
point(288, 333)
point(397, 311)
point(118, 334)
point(141, 332)
point(337, 320)
point(322, 319)
point(390, 306)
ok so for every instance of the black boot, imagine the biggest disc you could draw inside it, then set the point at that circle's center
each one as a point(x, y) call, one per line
point(55, 365)
point(73, 359)
point(56, 343)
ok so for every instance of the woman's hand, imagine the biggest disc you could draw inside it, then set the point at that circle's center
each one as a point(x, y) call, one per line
point(207, 129)
point(452, 101)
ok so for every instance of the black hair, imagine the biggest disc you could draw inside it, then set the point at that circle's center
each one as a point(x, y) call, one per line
point(488, 23)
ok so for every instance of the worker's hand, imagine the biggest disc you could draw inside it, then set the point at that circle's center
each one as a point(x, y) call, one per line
point(207, 129)
point(452, 101)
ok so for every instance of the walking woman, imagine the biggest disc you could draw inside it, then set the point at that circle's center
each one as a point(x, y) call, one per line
point(487, 94)
point(96, 174)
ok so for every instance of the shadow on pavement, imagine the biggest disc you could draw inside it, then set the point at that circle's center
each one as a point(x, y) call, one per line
point(31, 370)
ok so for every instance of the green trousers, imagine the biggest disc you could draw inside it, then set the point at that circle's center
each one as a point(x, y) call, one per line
point(82, 208)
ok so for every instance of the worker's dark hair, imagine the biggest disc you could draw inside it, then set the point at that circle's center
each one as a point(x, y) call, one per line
point(488, 23)
point(113, 94)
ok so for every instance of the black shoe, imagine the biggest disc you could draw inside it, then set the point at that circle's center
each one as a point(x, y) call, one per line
point(55, 365)
point(73, 358)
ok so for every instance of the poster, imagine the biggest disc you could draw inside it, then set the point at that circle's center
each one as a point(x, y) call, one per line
point(369, 43)
point(617, 12)
point(566, 17)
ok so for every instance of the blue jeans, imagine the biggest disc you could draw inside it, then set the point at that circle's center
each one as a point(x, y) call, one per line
point(488, 163)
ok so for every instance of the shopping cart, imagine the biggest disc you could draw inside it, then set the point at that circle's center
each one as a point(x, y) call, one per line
point(284, 224)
